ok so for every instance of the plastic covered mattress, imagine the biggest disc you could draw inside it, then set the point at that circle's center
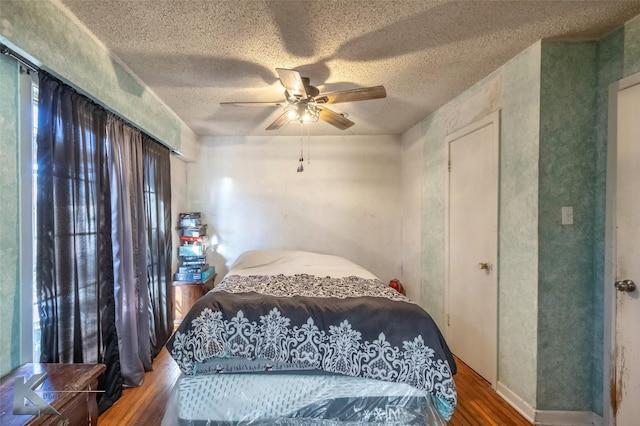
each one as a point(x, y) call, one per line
point(292, 399)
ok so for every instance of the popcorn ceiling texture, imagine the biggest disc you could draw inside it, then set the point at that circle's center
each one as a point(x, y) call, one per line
point(196, 54)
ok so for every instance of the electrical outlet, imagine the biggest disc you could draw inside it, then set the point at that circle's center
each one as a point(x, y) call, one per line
point(567, 215)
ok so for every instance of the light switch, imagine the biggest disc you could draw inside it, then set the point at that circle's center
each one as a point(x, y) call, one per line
point(567, 215)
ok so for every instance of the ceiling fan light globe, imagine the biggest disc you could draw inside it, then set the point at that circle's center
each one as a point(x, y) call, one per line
point(292, 115)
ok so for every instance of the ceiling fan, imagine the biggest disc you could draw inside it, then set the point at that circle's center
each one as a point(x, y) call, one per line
point(304, 103)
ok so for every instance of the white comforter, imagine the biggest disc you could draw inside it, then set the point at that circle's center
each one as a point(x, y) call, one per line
point(293, 262)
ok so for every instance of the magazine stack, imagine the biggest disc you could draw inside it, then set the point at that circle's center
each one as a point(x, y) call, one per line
point(192, 252)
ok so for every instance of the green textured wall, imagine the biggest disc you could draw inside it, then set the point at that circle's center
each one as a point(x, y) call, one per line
point(9, 243)
point(518, 243)
point(433, 232)
point(632, 47)
point(45, 33)
point(566, 269)
point(514, 89)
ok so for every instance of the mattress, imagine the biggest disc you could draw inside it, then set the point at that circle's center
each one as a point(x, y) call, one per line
point(288, 399)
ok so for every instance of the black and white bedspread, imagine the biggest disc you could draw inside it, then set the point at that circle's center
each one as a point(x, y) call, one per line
point(351, 325)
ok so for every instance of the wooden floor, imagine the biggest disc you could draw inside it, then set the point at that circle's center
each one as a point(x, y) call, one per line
point(478, 404)
point(144, 405)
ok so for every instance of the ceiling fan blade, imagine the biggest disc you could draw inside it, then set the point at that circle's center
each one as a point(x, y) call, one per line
point(278, 122)
point(335, 119)
point(292, 81)
point(362, 94)
point(251, 104)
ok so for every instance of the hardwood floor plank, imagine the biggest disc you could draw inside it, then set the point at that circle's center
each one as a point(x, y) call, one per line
point(145, 405)
point(478, 403)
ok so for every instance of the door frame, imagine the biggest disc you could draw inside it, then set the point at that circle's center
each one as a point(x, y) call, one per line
point(610, 265)
point(492, 118)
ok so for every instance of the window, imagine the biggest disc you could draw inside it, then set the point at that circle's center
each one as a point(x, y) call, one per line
point(34, 176)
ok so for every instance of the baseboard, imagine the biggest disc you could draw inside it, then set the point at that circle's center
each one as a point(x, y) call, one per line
point(527, 411)
point(567, 418)
point(597, 420)
point(548, 418)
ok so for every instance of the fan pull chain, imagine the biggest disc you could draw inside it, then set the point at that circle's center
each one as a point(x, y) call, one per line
point(300, 166)
point(308, 144)
point(301, 160)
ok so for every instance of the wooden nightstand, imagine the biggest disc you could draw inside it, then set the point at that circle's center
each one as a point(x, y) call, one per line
point(185, 294)
point(64, 389)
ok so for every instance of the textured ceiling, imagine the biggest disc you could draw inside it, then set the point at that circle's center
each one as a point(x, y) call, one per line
point(195, 54)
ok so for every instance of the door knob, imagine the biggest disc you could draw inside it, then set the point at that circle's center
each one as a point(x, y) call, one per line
point(485, 266)
point(626, 285)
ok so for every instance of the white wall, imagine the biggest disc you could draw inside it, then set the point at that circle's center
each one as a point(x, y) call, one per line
point(346, 202)
point(412, 180)
point(189, 152)
point(178, 200)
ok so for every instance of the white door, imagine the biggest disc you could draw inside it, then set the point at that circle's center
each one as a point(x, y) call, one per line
point(627, 339)
point(471, 246)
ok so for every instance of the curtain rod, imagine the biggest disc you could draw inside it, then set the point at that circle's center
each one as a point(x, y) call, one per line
point(6, 51)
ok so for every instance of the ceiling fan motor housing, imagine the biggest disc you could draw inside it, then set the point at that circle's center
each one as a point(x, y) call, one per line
point(311, 91)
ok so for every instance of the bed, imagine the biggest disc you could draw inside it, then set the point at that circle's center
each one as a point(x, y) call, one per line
point(293, 337)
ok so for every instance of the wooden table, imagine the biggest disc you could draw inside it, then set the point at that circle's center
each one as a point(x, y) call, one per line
point(75, 404)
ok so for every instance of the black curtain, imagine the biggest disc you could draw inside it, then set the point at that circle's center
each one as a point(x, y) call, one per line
point(103, 230)
point(157, 192)
point(128, 227)
point(74, 267)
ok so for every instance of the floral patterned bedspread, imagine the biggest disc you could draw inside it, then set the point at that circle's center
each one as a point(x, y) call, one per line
point(351, 325)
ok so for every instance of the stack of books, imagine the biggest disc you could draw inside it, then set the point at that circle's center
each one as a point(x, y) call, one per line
point(192, 252)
